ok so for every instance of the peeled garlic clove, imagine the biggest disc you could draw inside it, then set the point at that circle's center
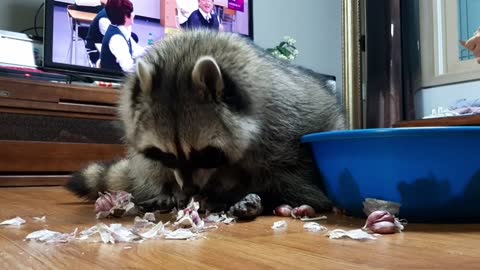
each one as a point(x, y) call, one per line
point(383, 227)
point(303, 211)
point(283, 210)
point(308, 211)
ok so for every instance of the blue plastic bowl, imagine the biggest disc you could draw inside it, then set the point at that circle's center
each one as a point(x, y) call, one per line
point(434, 173)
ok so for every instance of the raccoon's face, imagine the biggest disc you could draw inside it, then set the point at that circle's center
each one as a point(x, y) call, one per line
point(193, 119)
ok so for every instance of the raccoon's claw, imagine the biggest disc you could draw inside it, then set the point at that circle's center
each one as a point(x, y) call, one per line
point(162, 203)
point(248, 208)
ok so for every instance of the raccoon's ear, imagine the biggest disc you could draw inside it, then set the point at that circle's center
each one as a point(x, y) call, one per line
point(207, 76)
point(144, 74)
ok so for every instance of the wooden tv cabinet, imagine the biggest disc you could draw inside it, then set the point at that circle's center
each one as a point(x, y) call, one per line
point(49, 130)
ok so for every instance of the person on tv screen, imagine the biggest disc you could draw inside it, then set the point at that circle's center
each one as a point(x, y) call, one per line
point(118, 48)
point(203, 17)
point(97, 30)
point(185, 9)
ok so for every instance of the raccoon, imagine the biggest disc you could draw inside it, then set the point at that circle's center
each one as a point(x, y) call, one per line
point(210, 115)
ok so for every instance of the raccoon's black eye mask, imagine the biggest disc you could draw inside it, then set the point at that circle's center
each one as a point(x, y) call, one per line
point(207, 158)
point(167, 159)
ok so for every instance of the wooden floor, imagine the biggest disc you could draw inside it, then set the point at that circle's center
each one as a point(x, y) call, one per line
point(250, 245)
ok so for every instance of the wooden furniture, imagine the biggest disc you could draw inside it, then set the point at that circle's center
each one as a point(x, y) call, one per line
point(81, 16)
point(243, 245)
point(51, 130)
point(471, 120)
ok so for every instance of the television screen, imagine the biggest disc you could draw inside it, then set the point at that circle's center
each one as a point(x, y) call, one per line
point(105, 37)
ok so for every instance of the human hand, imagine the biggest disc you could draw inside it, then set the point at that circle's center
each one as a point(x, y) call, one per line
point(184, 12)
point(473, 45)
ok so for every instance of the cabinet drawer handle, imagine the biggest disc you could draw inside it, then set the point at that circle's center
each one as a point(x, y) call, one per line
point(4, 93)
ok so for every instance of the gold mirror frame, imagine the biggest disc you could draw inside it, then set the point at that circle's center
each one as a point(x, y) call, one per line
point(351, 62)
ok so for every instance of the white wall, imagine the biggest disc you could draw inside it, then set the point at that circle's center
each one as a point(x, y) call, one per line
point(16, 15)
point(315, 24)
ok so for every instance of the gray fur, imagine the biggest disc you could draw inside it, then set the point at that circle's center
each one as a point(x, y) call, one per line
point(274, 104)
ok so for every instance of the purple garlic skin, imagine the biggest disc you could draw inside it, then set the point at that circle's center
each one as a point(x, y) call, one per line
point(196, 218)
point(104, 203)
point(378, 216)
point(382, 222)
point(303, 211)
point(107, 201)
point(283, 210)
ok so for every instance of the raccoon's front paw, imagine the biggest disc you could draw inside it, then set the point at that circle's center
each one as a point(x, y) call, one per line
point(248, 208)
point(181, 199)
point(163, 203)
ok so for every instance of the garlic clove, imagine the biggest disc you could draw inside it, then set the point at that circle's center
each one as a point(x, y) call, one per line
point(303, 211)
point(382, 222)
point(379, 216)
point(283, 210)
point(104, 203)
point(383, 227)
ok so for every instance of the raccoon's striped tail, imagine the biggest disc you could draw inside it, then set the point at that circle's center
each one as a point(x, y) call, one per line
point(99, 177)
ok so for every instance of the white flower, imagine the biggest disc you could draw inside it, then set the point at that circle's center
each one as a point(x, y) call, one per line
point(291, 41)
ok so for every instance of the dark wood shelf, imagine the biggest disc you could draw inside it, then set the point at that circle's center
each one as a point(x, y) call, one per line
point(470, 120)
point(34, 97)
point(51, 130)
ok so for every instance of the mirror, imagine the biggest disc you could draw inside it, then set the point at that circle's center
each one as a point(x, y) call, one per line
point(443, 74)
point(469, 23)
point(351, 60)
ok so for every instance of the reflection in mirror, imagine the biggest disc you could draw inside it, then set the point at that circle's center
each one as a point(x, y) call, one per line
point(439, 50)
point(468, 22)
